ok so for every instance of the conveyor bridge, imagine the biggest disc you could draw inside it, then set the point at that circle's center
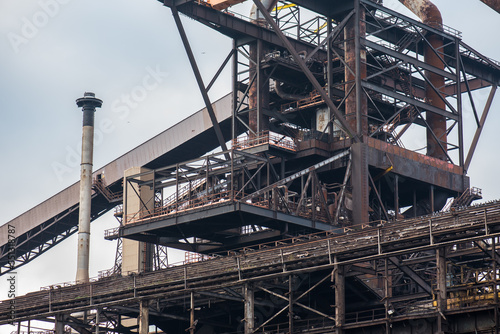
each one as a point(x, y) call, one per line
point(470, 233)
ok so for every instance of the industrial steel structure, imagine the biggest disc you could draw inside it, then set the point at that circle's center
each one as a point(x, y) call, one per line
point(315, 213)
point(418, 276)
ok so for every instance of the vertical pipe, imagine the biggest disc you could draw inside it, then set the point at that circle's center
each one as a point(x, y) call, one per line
point(88, 103)
point(437, 123)
point(430, 15)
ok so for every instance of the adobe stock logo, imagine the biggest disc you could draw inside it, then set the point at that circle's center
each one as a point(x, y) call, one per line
point(30, 27)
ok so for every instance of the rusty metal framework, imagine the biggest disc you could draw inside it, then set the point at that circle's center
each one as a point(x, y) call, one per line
point(421, 272)
point(203, 191)
point(339, 77)
point(318, 213)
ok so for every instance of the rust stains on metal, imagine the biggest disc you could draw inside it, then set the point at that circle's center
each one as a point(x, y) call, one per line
point(426, 11)
point(436, 134)
point(258, 93)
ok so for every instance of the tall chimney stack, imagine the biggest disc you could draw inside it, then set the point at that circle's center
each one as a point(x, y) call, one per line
point(88, 103)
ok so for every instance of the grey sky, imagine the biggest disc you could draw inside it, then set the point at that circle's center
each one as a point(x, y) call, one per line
point(52, 51)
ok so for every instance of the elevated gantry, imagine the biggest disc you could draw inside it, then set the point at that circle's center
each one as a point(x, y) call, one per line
point(345, 125)
point(332, 102)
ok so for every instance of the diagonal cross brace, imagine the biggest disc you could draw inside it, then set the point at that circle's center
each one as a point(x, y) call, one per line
point(199, 80)
point(412, 274)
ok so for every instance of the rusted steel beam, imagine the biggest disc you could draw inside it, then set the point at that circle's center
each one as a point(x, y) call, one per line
point(479, 129)
point(462, 226)
point(412, 274)
point(199, 80)
point(249, 303)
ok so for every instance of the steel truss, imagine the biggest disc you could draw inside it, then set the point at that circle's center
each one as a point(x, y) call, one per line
point(428, 271)
point(49, 234)
point(212, 185)
point(367, 69)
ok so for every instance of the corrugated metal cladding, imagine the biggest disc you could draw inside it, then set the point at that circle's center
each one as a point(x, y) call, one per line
point(185, 130)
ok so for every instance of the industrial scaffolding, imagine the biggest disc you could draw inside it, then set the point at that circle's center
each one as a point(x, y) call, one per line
point(316, 212)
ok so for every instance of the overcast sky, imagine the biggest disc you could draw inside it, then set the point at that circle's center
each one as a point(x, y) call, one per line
point(52, 51)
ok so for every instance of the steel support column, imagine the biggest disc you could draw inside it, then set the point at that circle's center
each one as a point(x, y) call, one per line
point(431, 195)
point(441, 287)
point(361, 108)
point(143, 317)
point(459, 105)
point(329, 74)
point(339, 297)
point(359, 181)
point(396, 197)
point(59, 324)
point(97, 320)
point(290, 304)
point(494, 255)
point(192, 325)
point(386, 296)
point(235, 90)
point(249, 317)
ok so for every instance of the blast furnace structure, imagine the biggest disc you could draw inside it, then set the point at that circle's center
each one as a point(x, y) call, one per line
point(316, 214)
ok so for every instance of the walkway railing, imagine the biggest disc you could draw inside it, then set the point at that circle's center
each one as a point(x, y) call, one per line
point(265, 138)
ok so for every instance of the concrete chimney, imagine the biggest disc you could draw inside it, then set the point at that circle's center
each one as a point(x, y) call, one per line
point(88, 103)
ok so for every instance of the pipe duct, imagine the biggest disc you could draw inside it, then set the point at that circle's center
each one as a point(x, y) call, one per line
point(286, 96)
point(430, 15)
point(493, 4)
